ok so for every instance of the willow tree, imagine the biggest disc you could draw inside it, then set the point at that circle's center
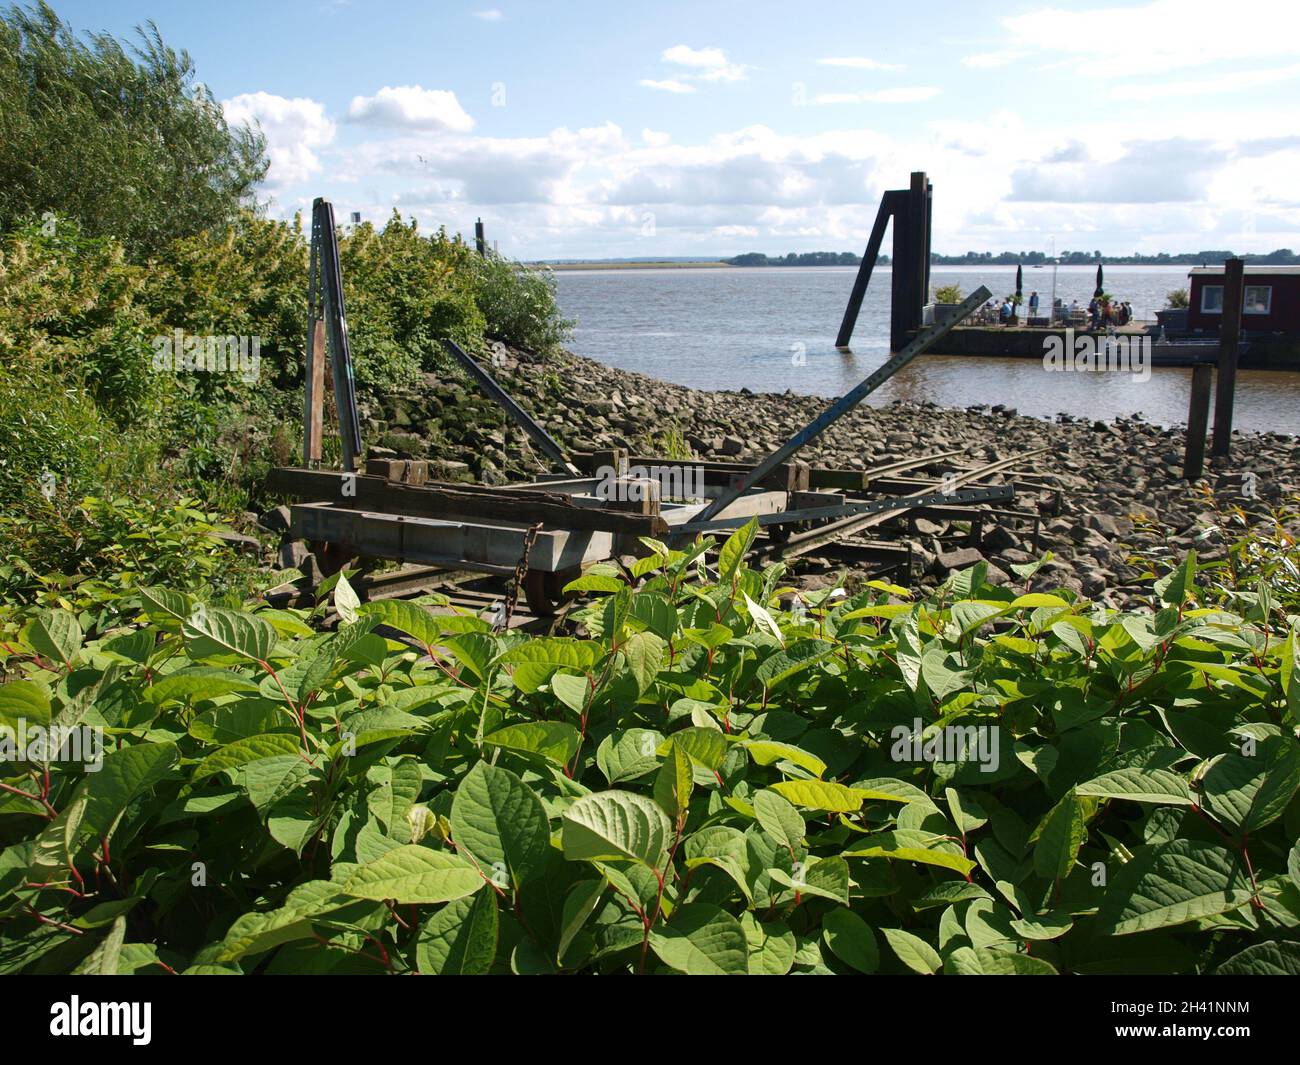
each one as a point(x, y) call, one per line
point(121, 137)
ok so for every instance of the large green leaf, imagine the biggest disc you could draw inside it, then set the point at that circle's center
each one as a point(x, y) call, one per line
point(616, 824)
point(985, 961)
point(913, 951)
point(827, 795)
point(702, 940)
point(217, 633)
point(54, 634)
point(1060, 835)
point(460, 939)
point(911, 846)
point(251, 749)
point(1171, 884)
point(556, 741)
point(414, 874)
point(779, 818)
point(1139, 785)
point(23, 703)
point(851, 940)
point(1264, 959)
point(645, 653)
point(732, 553)
point(675, 781)
point(1249, 792)
point(500, 822)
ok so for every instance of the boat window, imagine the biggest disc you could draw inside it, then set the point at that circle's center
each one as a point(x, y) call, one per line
point(1212, 299)
point(1258, 299)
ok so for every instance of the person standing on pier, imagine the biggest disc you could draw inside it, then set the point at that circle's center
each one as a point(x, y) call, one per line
point(1033, 305)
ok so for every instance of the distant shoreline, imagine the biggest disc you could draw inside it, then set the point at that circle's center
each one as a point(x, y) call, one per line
point(633, 265)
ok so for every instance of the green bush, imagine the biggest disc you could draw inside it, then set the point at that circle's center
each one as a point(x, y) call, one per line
point(71, 312)
point(404, 294)
point(519, 305)
point(704, 783)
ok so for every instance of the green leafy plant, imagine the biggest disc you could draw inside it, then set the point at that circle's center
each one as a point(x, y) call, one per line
point(1176, 298)
point(947, 294)
point(519, 305)
point(713, 778)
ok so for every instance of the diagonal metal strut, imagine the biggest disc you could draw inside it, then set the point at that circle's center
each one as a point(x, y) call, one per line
point(843, 405)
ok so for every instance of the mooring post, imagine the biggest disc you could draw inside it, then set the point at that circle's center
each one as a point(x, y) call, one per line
point(1229, 341)
point(920, 205)
point(480, 239)
point(1198, 418)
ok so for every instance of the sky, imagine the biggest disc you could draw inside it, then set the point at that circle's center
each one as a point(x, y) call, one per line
point(580, 129)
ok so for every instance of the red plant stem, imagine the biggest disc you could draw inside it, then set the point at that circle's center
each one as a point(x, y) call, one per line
point(50, 811)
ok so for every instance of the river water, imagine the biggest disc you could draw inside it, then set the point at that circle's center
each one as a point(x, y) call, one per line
point(770, 329)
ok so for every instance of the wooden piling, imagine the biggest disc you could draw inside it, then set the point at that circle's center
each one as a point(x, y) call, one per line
point(1229, 341)
point(1198, 416)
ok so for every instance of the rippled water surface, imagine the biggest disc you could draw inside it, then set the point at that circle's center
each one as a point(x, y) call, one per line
point(773, 328)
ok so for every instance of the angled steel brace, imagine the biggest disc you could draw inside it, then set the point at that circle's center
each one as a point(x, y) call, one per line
point(844, 404)
point(890, 204)
point(521, 417)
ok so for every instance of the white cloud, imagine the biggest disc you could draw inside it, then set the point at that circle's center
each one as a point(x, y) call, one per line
point(704, 64)
point(667, 85)
point(686, 56)
point(1001, 181)
point(1217, 86)
point(411, 107)
point(914, 95)
point(492, 14)
point(858, 62)
point(1173, 170)
point(1156, 37)
point(294, 129)
point(989, 60)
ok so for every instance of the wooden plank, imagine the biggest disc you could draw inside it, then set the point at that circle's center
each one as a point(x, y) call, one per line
point(483, 546)
point(452, 503)
point(314, 400)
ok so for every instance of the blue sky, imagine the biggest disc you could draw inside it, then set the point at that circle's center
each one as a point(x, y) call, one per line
point(606, 129)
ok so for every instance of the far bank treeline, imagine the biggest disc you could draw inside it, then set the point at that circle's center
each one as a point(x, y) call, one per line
point(128, 211)
point(1280, 257)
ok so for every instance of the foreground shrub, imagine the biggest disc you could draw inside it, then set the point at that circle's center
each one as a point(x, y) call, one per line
point(704, 783)
point(92, 557)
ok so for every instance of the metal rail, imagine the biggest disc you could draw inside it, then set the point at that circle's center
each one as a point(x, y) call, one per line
point(996, 494)
point(802, 543)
